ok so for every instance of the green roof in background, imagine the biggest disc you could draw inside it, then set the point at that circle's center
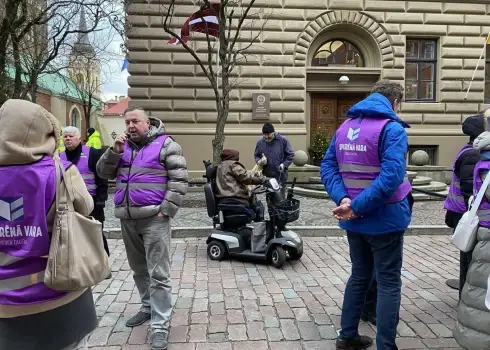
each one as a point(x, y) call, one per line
point(57, 83)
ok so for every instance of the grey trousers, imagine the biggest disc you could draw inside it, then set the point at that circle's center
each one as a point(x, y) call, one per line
point(147, 244)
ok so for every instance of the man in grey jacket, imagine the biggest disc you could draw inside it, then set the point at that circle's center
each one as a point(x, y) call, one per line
point(152, 180)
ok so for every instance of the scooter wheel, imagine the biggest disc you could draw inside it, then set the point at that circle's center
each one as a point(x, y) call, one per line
point(278, 257)
point(216, 250)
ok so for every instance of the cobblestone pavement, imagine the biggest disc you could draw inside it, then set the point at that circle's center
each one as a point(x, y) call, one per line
point(236, 305)
point(314, 212)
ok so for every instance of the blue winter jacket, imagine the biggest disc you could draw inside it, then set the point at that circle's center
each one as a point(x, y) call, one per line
point(375, 217)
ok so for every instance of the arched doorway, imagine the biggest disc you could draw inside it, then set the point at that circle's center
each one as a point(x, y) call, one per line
point(342, 50)
point(328, 110)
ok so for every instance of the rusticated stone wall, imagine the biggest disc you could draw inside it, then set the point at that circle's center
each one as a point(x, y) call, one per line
point(165, 80)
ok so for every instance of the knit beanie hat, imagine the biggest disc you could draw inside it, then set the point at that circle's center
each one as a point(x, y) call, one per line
point(230, 154)
point(474, 126)
point(268, 128)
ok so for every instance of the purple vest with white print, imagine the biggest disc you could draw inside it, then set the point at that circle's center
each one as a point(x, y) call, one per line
point(455, 200)
point(482, 167)
point(27, 192)
point(356, 144)
point(141, 179)
point(82, 165)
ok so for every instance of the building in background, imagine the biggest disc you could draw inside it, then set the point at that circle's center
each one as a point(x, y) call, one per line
point(315, 59)
point(111, 123)
point(65, 96)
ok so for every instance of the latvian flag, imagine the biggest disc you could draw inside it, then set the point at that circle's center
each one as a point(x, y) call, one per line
point(199, 22)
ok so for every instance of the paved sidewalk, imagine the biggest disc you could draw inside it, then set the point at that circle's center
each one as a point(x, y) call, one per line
point(313, 212)
point(238, 305)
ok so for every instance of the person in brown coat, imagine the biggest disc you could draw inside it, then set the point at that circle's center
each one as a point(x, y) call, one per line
point(232, 178)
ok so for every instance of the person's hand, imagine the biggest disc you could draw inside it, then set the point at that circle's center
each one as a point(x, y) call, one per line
point(344, 210)
point(262, 161)
point(281, 168)
point(119, 143)
point(160, 214)
point(346, 201)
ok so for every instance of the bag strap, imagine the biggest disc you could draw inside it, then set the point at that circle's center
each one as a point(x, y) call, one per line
point(476, 203)
point(67, 200)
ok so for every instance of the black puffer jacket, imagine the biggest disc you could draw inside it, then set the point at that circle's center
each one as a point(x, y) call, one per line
point(465, 164)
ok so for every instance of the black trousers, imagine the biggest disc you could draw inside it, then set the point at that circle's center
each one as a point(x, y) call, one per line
point(98, 214)
point(452, 220)
point(464, 265)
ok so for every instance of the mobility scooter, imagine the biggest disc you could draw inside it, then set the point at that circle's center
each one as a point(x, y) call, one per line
point(240, 231)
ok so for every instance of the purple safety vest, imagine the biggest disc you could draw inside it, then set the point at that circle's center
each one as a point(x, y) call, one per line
point(484, 209)
point(142, 180)
point(455, 200)
point(27, 192)
point(82, 165)
point(356, 144)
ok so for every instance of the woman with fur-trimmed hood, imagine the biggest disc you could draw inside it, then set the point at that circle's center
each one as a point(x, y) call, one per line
point(472, 331)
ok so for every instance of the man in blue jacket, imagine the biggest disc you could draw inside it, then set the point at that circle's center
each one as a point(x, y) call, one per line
point(364, 173)
point(274, 153)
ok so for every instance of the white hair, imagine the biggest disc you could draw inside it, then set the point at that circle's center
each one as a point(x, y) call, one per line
point(70, 130)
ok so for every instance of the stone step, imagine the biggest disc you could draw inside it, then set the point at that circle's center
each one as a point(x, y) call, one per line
point(434, 186)
point(421, 180)
point(315, 179)
point(411, 174)
point(418, 197)
point(313, 186)
point(301, 191)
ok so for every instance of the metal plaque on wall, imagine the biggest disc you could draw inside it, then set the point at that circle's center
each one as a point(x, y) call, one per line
point(261, 105)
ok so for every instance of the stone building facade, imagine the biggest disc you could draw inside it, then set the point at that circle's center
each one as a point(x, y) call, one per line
point(431, 47)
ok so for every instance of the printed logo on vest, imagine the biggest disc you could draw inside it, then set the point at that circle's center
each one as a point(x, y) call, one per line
point(353, 134)
point(11, 208)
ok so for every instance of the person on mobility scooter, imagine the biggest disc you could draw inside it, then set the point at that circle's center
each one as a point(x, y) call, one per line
point(233, 233)
point(232, 181)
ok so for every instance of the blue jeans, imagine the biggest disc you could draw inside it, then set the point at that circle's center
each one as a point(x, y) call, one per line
point(384, 254)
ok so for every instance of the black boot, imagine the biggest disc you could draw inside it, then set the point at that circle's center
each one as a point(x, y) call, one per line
point(360, 343)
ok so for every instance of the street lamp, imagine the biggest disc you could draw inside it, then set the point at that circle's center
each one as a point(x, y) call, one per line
point(114, 135)
point(344, 79)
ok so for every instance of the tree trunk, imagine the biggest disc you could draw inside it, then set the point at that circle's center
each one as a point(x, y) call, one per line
point(87, 110)
point(222, 102)
point(34, 87)
point(219, 138)
point(18, 69)
point(11, 15)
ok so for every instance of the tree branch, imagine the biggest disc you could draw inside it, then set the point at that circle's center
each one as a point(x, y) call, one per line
point(169, 16)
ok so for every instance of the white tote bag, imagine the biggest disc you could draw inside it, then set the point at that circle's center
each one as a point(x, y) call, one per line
point(464, 236)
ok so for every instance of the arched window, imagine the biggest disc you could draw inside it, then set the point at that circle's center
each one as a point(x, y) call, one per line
point(338, 52)
point(75, 117)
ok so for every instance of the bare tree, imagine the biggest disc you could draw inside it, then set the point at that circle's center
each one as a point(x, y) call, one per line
point(234, 19)
point(36, 36)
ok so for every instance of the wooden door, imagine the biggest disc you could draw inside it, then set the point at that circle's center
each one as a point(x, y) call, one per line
point(323, 114)
point(328, 111)
point(344, 103)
